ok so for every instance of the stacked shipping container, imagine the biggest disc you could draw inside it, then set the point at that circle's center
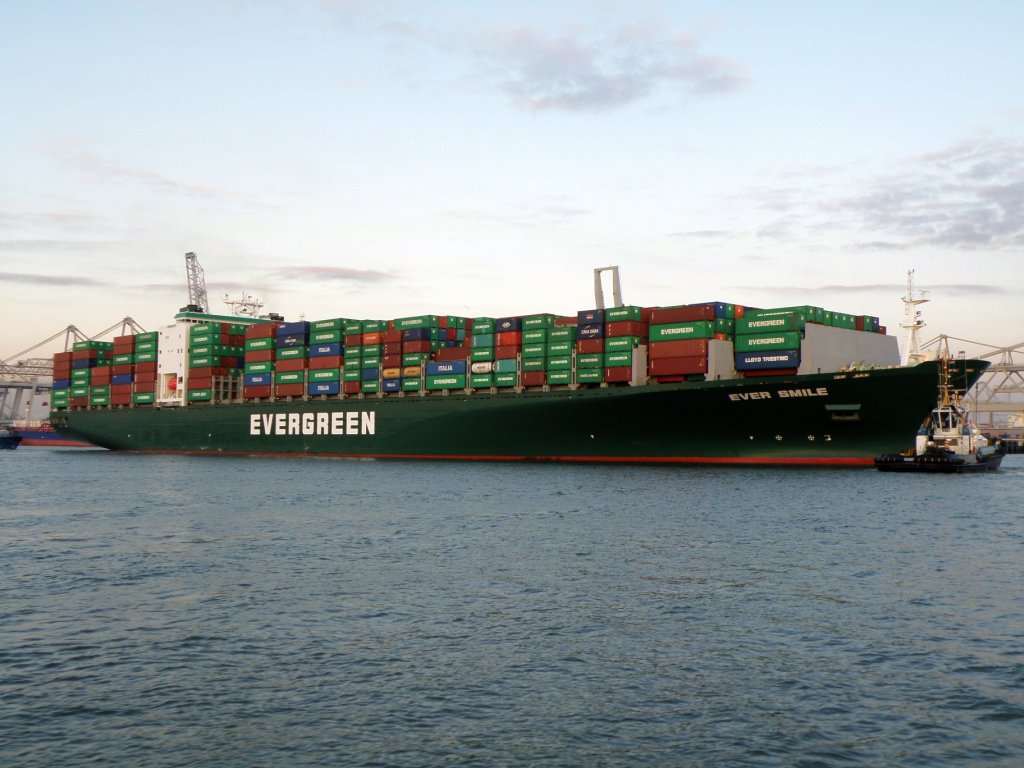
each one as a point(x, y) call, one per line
point(436, 354)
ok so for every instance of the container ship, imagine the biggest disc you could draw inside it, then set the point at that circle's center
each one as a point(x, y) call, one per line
point(710, 382)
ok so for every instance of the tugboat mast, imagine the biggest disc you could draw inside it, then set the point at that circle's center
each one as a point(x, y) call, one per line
point(913, 323)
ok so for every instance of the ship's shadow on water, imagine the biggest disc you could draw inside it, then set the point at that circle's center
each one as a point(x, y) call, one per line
point(233, 611)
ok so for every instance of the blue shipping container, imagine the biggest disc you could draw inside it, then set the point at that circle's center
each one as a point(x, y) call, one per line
point(293, 340)
point(589, 316)
point(508, 324)
point(391, 385)
point(453, 366)
point(325, 350)
point(369, 374)
point(419, 334)
point(590, 331)
point(256, 380)
point(296, 328)
point(324, 387)
point(61, 383)
point(758, 361)
point(121, 378)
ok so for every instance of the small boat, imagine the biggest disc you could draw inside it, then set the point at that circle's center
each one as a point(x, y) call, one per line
point(948, 441)
point(9, 439)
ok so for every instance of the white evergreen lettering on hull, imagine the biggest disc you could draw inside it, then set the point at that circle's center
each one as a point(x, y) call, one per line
point(314, 423)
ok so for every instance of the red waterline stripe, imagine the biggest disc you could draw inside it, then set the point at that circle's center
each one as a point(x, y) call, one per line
point(837, 461)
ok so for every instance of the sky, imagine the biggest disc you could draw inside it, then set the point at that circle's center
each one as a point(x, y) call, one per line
point(374, 160)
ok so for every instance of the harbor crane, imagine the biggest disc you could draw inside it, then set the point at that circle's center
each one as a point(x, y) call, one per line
point(197, 299)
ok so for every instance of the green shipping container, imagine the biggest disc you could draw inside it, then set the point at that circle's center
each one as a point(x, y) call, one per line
point(772, 341)
point(350, 327)
point(411, 385)
point(370, 387)
point(621, 343)
point(559, 364)
point(479, 380)
point(337, 324)
point(292, 353)
point(534, 350)
point(590, 375)
point(505, 379)
point(413, 358)
point(290, 377)
point(790, 321)
point(615, 314)
point(509, 365)
point(325, 337)
point(81, 375)
point(99, 399)
point(446, 381)
point(558, 348)
point(145, 357)
point(77, 391)
point(534, 363)
point(122, 359)
point(143, 398)
point(535, 322)
point(374, 326)
point(559, 377)
point(615, 359)
point(258, 345)
point(482, 340)
point(147, 336)
point(701, 329)
point(420, 321)
point(482, 354)
point(199, 395)
point(259, 367)
point(79, 346)
point(352, 374)
point(590, 361)
point(483, 325)
point(325, 374)
point(562, 333)
point(535, 337)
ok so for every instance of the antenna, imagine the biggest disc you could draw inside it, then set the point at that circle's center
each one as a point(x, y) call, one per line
point(246, 306)
point(913, 322)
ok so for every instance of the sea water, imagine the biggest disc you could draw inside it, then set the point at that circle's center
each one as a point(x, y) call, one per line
point(210, 611)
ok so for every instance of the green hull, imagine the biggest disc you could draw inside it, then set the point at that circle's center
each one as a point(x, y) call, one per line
point(818, 419)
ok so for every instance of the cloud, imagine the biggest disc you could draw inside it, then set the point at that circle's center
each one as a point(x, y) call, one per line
point(704, 234)
point(965, 197)
point(332, 274)
point(92, 164)
point(539, 70)
point(47, 280)
point(55, 245)
point(961, 289)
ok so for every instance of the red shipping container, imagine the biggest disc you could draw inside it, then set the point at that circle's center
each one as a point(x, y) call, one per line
point(259, 356)
point(260, 391)
point(618, 373)
point(391, 361)
point(452, 333)
point(590, 346)
point(322, 363)
point(373, 337)
point(626, 328)
point(678, 348)
point(506, 353)
point(675, 366)
point(353, 340)
point(668, 379)
point(121, 399)
point(84, 354)
point(123, 349)
point(392, 348)
point(508, 339)
point(61, 357)
point(261, 331)
point(740, 311)
point(564, 321)
point(124, 340)
point(450, 354)
point(200, 382)
point(145, 367)
point(145, 386)
point(118, 370)
point(533, 378)
point(292, 364)
point(772, 372)
point(100, 375)
point(79, 402)
point(206, 371)
point(290, 390)
point(351, 387)
point(61, 372)
point(689, 314)
point(422, 346)
point(120, 389)
point(391, 337)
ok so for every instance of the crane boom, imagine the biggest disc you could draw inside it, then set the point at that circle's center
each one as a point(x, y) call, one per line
point(197, 300)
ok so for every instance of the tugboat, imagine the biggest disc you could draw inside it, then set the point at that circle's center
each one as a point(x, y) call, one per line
point(9, 438)
point(948, 441)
